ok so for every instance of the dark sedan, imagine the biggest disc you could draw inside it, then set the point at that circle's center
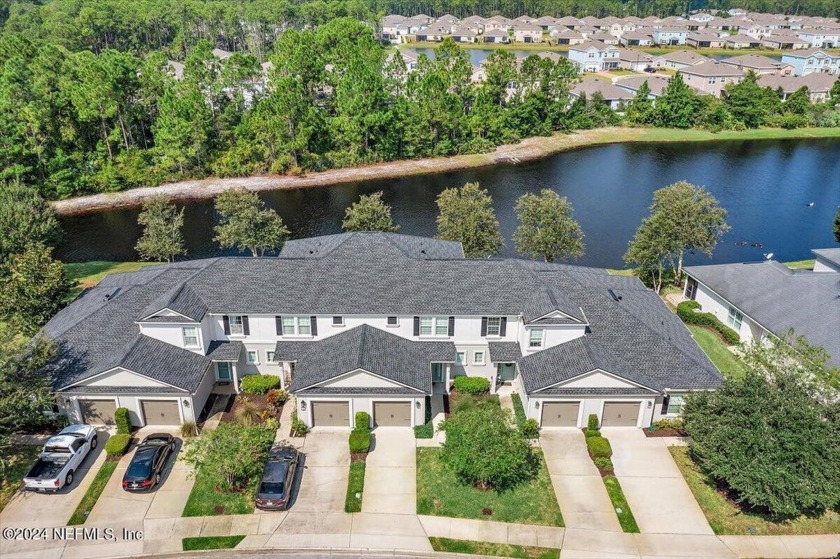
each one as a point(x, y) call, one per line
point(278, 479)
point(146, 467)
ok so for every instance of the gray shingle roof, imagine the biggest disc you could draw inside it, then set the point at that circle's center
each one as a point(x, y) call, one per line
point(597, 391)
point(504, 352)
point(829, 254)
point(123, 390)
point(224, 351)
point(315, 390)
point(290, 351)
point(779, 298)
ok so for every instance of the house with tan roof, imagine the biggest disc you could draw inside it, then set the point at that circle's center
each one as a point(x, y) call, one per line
point(711, 77)
point(705, 40)
point(759, 64)
point(813, 61)
point(679, 59)
point(594, 56)
point(819, 85)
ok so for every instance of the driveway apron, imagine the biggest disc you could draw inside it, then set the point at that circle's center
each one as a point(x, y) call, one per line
point(391, 473)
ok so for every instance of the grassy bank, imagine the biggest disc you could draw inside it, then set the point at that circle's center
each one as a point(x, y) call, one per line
point(18, 461)
point(94, 491)
point(714, 347)
point(355, 486)
point(495, 549)
point(210, 542)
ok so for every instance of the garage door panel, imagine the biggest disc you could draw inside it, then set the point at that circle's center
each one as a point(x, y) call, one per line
point(98, 412)
point(560, 414)
point(330, 414)
point(620, 414)
point(392, 414)
point(160, 412)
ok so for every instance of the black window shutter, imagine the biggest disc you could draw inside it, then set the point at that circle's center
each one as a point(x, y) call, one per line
point(245, 327)
point(483, 326)
point(503, 326)
point(416, 325)
point(278, 323)
point(451, 325)
point(665, 404)
point(314, 322)
point(226, 324)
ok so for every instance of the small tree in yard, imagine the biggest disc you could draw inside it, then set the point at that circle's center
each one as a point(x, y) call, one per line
point(651, 250)
point(467, 216)
point(774, 446)
point(232, 453)
point(244, 223)
point(162, 239)
point(485, 450)
point(546, 227)
point(370, 213)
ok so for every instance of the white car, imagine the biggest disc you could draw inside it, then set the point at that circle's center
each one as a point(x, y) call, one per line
point(60, 458)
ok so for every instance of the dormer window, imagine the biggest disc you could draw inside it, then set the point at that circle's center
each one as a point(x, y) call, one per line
point(190, 336)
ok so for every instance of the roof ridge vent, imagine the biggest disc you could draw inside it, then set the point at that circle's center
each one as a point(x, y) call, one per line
point(615, 297)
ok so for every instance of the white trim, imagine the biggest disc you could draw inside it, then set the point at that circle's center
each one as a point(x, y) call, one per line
point(654, 392)
point(639, 414)
point(77, 383)
point(555, 313)
point(157, 313)
point(483, 357)
point(410, 401)
point(256, 353)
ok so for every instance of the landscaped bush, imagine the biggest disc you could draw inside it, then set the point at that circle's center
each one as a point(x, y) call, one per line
point(591, 433)
point(530, 429)
point(688, 313)
point(676, 424)
point(472, 385)
point(603, 463)
point(117, 445)
point(299, 428)
point(359, 441)
point(483, 449)
point(425, 431)
point(258, 384)
point(592, 422)
point(355, 486)
point(599, 447)
point(518, 409)
point(232, 455)
point(123, 421)
point(188, 430)
point(277, 396)
point(362, 421)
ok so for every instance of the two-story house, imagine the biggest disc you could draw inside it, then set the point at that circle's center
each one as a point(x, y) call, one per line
point(812, 61)
point(594, 56)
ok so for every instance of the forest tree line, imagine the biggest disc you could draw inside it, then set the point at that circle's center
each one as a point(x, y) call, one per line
point(74, 122)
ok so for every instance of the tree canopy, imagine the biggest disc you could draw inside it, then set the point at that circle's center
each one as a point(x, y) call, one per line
point(466, 215)
point(162, 238)
point(369, 213)
point(245, 224)
point(25, 217)
point(547, 229)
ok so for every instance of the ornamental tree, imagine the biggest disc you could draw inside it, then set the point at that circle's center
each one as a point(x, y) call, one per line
point(546, 227)
point(369, 213)
point(467, 216)
point(162, 239)
point(245, 224)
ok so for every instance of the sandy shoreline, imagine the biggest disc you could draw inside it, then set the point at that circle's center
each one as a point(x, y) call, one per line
point(530, 149)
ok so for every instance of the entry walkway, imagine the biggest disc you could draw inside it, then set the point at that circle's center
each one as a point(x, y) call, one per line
point(580, 492)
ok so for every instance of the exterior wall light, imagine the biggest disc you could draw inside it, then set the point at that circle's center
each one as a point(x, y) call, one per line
point(186, 403)
point(417, 404)
point(650, 404)
point(537, 404)
point(303, 405)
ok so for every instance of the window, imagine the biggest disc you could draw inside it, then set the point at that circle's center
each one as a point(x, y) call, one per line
point(734, 319)
point(338, 321)
point(392, 321)
point(426, 325)
point(297, 326)
point(253, 357)
point(223, 371)
point(494, 326)
point(478, 358)
point(269, 356)
point(675, 404)
point(461, 358)
point(236, 325)
point(190, 334)
point(441, 326)
point(434, 326)
point(535, 337)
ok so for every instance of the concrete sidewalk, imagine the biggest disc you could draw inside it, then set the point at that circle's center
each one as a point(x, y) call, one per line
point(490, 531)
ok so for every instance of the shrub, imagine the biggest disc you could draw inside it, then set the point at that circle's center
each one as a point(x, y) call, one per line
point(530, 429)
point(425, 431)
point(599, 447)
point(481, 447)
point(234, 454)
point(676, 424)
point(117, 445)
point(603, 463)
point(299, 428)
point(592, 422)
point(518, 409)
point(188, 430)
point(123, 421)
point(472, 385)
point(362, 421)
point(277, 396)
point(688, 313)
point(359, 440)
point(258, 384)
point(591, 433)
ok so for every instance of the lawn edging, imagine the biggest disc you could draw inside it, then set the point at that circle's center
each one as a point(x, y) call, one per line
point(469, 547)
point(202, 543)
point(100, 481)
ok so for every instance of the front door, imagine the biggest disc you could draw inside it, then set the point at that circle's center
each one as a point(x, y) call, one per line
point(223, 371)
point(507, 372)
point(438, 373)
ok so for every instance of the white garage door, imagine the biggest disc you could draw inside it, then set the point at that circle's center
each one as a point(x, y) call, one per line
point(160, 412)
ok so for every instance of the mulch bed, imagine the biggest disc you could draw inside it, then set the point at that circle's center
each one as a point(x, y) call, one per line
point(664, 433)
point(259, 401)
point(358, 457)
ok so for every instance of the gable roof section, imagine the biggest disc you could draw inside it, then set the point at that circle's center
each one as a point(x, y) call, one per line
point(828, 254)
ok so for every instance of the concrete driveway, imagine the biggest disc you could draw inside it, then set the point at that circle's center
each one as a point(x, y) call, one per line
point(391, 472)
point(580, 492)
point(28, 509)
point(323, 483)
point(655, 489)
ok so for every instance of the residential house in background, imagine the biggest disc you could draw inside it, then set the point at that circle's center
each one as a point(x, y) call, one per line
point(635, 60)
point(704, 40)
point(496, 36)
point(566, 36)
point(636, 39)
point(819, 85)
point(670, 35)
point(613, 95)
point(679, 59)
point(759, 64)
point(784, 42)
point(812, 60)
point(741, 41)
point(527, 33)
point(594, 56)
point(826, 38)
point(656, 83)
point(711, 77)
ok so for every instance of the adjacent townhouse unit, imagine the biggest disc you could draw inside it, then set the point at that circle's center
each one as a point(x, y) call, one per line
point(759, 64)
point(811, 61)
point(374, 322)
point(767, 298)
point(679, 59)
point(612, 95)
point(594, 56)
point(711, 77)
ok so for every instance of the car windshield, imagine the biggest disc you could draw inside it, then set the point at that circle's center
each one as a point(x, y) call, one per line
point(140, 466)
point(272, 487)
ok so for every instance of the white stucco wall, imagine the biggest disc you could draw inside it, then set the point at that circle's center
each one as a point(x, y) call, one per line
point(822, 265)
point(362, 403)
point(591, 405)
point(717, 305)
point(121, 377)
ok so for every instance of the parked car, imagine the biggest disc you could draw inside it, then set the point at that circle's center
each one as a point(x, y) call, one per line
point(650, 70)
point(60, 458)
point(279, 478)
point(146, 466)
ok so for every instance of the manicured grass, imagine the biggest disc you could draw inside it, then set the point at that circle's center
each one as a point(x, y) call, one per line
point(88, 274)
point(439, 493)
point(355, 484)
point(94, 491)
point(801, 264)
point(210, 542)
point(206, 500)
point(17, 464)
point(693, 135)
point(495, 549)
point(711, 343)
point(627, 272)
point(619, 503)
point(725, 517)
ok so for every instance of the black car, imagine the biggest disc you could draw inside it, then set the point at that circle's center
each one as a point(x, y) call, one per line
point(650, 70)
point(278, 479)
point(146, 467)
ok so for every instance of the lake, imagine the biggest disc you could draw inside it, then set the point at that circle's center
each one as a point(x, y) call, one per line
point(766, 187)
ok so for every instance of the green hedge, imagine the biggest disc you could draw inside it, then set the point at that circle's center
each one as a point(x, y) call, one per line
point(117, 445)
point(123, 421)
point(688, 313)
point(530, 429)
point(592, 422)
point(472, 385)
point(258, 384)
point(603, 463)
point(518, 409)
point(676, 424)
point(359, 440)
point(362, 421)
point(591, 433)
point(425, 431)
point(599, 447)
point(355, 485)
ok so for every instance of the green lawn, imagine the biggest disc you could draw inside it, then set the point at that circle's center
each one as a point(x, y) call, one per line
point(210, 542)
point(355, 484)
point(94, 491)
point(17, 463)
point(440, 493)
point(88, 274)
point(495, 549)
point(725, 517)
point(801, 264)
point(206, 500)
point(727, 362)
point(619, 503)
